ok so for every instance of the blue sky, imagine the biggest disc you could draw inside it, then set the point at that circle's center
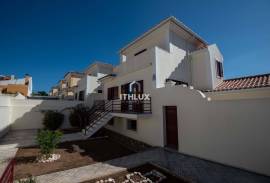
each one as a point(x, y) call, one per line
point(48, 38)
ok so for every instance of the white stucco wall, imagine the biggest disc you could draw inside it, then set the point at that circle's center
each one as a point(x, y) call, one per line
point(4, 115)
point(148, 130)
point(159, 37)
point(233, 132)
point(28, 114)
point(203, 68)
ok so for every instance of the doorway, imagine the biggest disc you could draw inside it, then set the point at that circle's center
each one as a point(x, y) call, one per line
point(171, 127)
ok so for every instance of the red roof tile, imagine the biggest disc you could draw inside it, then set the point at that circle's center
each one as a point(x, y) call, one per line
point(248, 82)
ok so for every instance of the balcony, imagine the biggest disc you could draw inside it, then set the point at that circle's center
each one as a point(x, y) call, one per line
point(131, 109)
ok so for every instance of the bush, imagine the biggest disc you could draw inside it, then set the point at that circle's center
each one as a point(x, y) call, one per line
point(52, 120)
point(79, 117)
point(47, 141)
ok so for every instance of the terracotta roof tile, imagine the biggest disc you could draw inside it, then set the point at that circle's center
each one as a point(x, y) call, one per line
point(248, 82)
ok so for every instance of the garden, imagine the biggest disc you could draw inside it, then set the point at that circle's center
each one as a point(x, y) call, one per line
point(51, 156)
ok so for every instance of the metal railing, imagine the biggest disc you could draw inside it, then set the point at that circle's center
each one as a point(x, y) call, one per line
point(102, 107)
point(8, 175)
point(132, 106)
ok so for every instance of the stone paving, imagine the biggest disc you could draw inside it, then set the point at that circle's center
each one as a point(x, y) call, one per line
point(195, 169)
point(198, 170)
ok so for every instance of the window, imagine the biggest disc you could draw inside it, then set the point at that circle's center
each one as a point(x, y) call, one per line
point(132, 125)
point(111, 122)
point(113, 93)
point(99, 91)
point(138, 53)
point(219, 69)
point(81, 96)
point(76, 96)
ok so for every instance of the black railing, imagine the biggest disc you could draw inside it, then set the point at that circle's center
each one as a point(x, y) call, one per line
point(132, 106)
point(102, 107)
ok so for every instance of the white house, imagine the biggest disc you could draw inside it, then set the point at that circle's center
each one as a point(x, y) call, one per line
point(89, 82)
point(192, 108)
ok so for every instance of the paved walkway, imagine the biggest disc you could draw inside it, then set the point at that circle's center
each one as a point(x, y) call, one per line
point(195, 169)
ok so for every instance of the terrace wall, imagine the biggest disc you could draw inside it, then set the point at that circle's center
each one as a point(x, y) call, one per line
point(21, 114)
point(4, 115)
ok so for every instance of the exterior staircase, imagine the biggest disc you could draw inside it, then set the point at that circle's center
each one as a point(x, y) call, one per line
point(101, 113)
point(99, 116)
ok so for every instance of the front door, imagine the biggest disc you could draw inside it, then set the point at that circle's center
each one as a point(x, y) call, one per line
point(171, 127)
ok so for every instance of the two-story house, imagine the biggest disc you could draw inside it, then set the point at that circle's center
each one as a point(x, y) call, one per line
point(185, 103)
point(71, 79)
point(89, 84)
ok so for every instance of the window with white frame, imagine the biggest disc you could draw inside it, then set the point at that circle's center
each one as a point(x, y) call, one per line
point(219, 69)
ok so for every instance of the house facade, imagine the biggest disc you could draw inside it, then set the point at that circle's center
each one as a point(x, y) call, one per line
point(12, 85)
point(192, 108)
point(89, 82)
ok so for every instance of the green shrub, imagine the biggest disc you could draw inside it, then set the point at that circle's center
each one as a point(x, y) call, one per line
point(52, 120)
point(48, 141)
point(79, 116)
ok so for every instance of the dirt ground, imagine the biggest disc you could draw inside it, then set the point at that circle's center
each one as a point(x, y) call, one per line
point(96, 150)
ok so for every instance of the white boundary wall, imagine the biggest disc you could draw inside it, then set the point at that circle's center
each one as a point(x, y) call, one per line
point(232, 131)
point(19, 114)
point(4, 115)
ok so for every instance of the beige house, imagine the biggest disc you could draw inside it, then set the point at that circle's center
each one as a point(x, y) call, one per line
point(66, 87)
point(12, 85)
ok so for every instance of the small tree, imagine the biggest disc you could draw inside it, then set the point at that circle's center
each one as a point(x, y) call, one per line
point(48, 141)
point(52, 120)
point(79, 117)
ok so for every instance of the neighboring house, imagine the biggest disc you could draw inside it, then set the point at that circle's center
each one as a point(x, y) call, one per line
point(192, 109)
point(61, 88)
point(54, 91)
point(11, 85)
point(71, 79)
point(89, 82)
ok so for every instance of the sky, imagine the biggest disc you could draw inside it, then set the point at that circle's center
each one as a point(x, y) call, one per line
point(47, 38)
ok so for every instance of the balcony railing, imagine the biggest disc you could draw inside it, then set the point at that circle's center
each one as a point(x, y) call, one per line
point(128, 106)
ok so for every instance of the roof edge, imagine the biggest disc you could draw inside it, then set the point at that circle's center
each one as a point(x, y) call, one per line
point(171, 18)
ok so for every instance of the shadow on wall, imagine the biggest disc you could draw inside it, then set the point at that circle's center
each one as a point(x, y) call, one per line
point(182, 71)
point(28, 114)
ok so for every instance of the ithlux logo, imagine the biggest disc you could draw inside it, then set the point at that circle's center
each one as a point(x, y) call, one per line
point(135, 92)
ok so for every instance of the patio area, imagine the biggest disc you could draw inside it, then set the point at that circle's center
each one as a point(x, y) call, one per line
point(103, 158)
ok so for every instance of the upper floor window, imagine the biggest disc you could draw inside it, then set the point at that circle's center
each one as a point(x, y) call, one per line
point(139, 52)
point(219, 69)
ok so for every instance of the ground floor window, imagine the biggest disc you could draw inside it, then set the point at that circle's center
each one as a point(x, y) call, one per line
point(132, 124)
